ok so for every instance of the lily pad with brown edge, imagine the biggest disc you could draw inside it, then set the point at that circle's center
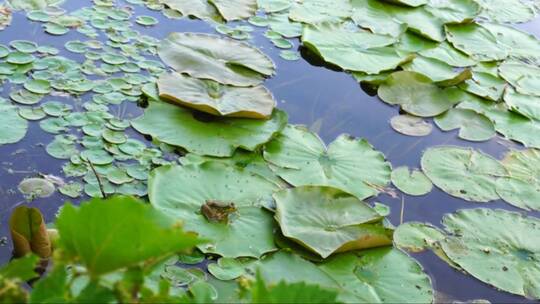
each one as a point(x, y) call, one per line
point(205, 134)
point(352, 165)
point(498, 247)
point(412, 182)
point(224, 60)
point(417, 94)
point(212, 97)
point(521, 187)
point(411, 125)
point(472, 126)
point(463, 172)
point(327, 220)
point(29, 233)
point(181, 192)
point(379, 275)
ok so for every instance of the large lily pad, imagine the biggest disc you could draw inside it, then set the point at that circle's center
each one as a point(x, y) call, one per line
point(464, 173)
point(472, 126)
point(416, 237)
point(417, 94)
point(521, 187)
point(204, 135)
point(380, 275)
point(198, 8)
point(327, 220)
point(235, 9)
point(476, 41)
point(498, 247)
point(506, 11)
point(211, 97)
point(352, 165)
point(412, 182)
point(212, 57)
point(359, 51)
point(317, 11)
point(182, 191)
point(373, 15)
point(12, 126)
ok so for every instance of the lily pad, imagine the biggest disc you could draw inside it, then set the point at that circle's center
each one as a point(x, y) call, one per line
point(36, 188)
point(498, 247)
point(417, 94)
point(412, 182)
point(301, 158)
point(411, 125)
point(359, 51)
point(380, 275)
point(521, 187)
point(223, 60)
point(318, 11)
point(198, 8)
point(211, 97)
point(506, 11)
point(476, 41)
point(38, 86)
point(417, 237)
point(247, 229)
point(205, 135)
point(235, 9)
point(374, 15)
point(146, 20)
point(472, 126)
point(327, 220)
point(12, 126)
point(464, 173)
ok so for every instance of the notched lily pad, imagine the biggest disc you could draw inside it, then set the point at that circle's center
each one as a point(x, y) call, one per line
point(412, 182)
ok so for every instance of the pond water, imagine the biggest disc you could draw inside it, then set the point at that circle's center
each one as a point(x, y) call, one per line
point(330, 102)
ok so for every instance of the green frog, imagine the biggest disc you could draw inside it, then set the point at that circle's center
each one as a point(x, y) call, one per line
point(217, 211)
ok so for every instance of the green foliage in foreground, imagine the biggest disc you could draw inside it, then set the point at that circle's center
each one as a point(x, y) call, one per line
point(109, 251)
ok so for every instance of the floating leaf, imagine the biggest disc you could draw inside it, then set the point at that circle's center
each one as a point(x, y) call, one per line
point(107, 235)
point(417, 237)
point(38, 86)
point(506, 11)
point(12, 126)
point(462, 172)
point(36, 187)
point(411, 125)
point(472, 126)
point(235, 9)
point(438, 71)
point(183, 192)
point(476, 41)
point(374, 15)
point(417, 95)
point(146, 20)
point(380, 275)
point(359, 51)
point(205, 135)
point(352, 165)
point(522, 186)
point(220, 59)
point(211, 97)
point(28, 233)
point(202, 9)
point(497, 247)
point(412, 182)
point(318, 11)
point(327, 220)
point(445, 52)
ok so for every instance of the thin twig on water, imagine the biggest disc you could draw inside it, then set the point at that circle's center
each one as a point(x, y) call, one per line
point(98, 179)
point(402, 209)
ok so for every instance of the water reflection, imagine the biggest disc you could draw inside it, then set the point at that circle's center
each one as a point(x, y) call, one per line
point(327, 100)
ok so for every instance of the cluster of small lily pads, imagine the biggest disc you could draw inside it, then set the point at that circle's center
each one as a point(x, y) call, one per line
point(270, 197)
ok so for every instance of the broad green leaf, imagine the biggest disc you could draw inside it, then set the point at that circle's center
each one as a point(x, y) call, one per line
point(485, 85)
point(22, 268)
point(198, 8)
point(184, 192)
point(417, 94)
point(464, 173)
point(526, 105)
point(445, 52)
point(204, 134)
point(290, 293)
point(523, 76)
point(223, 60)
point(373, 15)
point(12, 126)
point(351, 165)
point(498, 247)
point(519, 44)
point(454, 11)
point(438, 71)
point(235, 9)
point(472, 126)
point(411, 125)
point(318, 11)
point(327, 220)
point(412, 182)
point(359, 51)
point(211, 97)
point(417, 237)
point(476, 41)
point(120, 232)
point(380, 275)
point(506, 11)
point(28, 233)
point(521, 187)
point(52, 288)
point(272, 6)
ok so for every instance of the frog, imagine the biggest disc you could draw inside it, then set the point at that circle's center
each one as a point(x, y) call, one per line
point(217, 211)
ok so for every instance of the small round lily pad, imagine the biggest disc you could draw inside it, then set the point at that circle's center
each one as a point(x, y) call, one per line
point(411, 125)
point(36, 188)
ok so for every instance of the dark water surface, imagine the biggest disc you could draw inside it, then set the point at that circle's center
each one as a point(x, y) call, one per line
point(330, 102)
